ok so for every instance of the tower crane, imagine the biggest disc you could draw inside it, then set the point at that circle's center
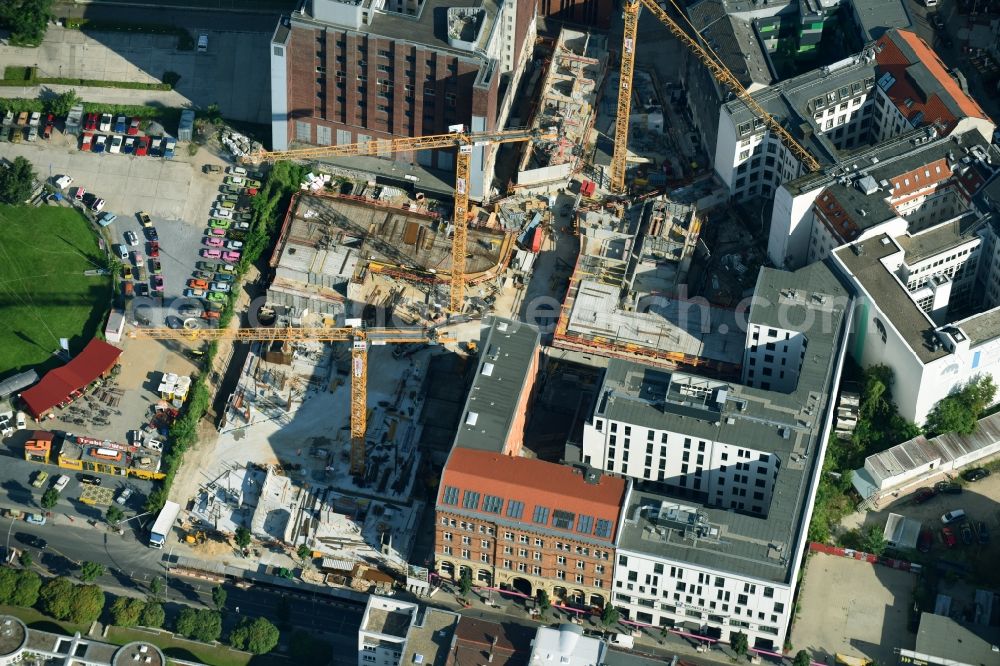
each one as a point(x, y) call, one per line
point(359, 336)
point(715, 66)
point(457, 138)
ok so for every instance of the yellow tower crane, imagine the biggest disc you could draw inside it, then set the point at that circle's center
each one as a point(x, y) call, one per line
point(708, 58)
point(460, 139)
point(359, 336)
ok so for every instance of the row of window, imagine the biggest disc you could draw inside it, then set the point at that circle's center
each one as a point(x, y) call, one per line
point(565, 520)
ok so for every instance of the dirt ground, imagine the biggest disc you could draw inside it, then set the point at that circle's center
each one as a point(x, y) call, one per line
point(854, 608)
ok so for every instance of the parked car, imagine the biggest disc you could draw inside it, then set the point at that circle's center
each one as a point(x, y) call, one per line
point(212, 241)
point(98, 205)
point(948, 537)
point(21, 421)
point(236, 170)
point(169, 145)
point(129, 146)
point(231, 256)
point(36, 519)
point(227, 205)
point(157, 283)
point(41, 476)
point(223, 287)
point(133, 127)
point(104, 219)
point(967, 538)
point(124, 495)
point(155, 266)
point(89, 479)
point(925, 540)
point(105, 125)
point(948, 487)
point(90, 123)
point(216, 296)
point(211, 168)
point(975, 474)
point(120, 124)
point(144, 218)
point(62, 182)
point(86, 141)
point(225, 277)
point(49, 126)
point(79, 194)
point(212, 253)
point(924, 495)
point(137, 258)
point(61, 482)
point(241, 225)
point(215, 233)
point(142, 147)
point(219, 224)
point(221, 212)
point(131, 238)
point(31, 540)
point(121, 251)
point(194, 293)
point(953, 516)
point(154, 249)
point(127, 272)
point(151, 234)
point(238, 245)
point(198, 284)
point(983, 532)
point(100, 143)
point(116, 144)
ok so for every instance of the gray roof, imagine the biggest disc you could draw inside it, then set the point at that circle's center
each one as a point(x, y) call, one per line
point(734, 41)
point(946, 639)
point(939, 239)
point(981, 327)
point(877, 16)
point(505, 361)
point(789, 426)
point(863, 261)
point(18, 382)
point(428, 28)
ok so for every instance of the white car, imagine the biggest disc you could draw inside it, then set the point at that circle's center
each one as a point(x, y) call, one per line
point(222, 213)
point(123, 495)
point(154, 444)
point(21, 421)
point(241, 225)
point(116, 144)
point(62, 182)
point(6, 429)
point(61, 482)
point(234, 245)
point(236, 171)
point(122, 251)
point(220, 286)
point(105, 125)
point(36, 119)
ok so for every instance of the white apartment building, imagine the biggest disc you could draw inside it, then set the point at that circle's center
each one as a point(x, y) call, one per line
point(926, 309)
point(725, 473)
point(399, 632)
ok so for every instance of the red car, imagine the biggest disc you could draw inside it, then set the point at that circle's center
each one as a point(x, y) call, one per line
point(142, 147)
point(948, 536)
point(924, 494)
point(154, 249)
point(158, 283)
point(925, 540)
point(91, 122)
point(49, 123)
point(133, 127)
point(88, 138)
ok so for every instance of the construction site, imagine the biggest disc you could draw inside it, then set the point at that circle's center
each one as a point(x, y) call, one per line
point(568, 97)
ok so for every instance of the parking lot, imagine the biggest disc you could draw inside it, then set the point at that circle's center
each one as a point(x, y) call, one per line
point(853, 608)
point(233, 73)
point(175, 193)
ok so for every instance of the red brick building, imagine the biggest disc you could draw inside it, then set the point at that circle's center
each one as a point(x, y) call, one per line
point(595, 13)
point(353, 71)
point(526, 525)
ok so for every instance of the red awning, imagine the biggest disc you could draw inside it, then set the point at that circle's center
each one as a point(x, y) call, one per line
point(97, 358)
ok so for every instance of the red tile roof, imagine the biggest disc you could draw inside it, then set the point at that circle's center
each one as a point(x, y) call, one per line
point(534, 483)
point(57, 386)
point(892, 58)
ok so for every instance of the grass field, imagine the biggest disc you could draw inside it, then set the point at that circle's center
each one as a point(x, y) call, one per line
point(44, 294)
point(180, 648)
point(36, 620)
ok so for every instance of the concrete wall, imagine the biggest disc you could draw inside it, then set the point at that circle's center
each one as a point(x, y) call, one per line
point(791, 227)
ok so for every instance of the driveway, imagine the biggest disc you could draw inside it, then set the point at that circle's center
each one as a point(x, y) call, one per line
point(234, 73)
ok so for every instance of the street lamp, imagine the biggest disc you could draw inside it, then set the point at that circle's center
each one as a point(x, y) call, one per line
point(7, 549)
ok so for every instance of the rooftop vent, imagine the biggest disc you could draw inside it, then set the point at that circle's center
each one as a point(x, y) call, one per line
point(488, 369)
point(471, 418)
point(502, 326)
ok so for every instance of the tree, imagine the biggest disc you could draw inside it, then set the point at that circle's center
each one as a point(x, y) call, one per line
point(201, 625)
point(49, 498)
point(307, 649)
point(17, 182)
point(960, 411)
point(465, 583)
point(26, 590)
point(739, 643)
point(61, 104)
point(802, 658)
point(544, 602)
point(25, 559)
point(304, 552)
point(91, 571)
point(156, 587)
point(26, 20)
point(610, 616)
point(57, 598)
point(242, 537)
point(219, 596)
point(114, 514)
point(873, 540)
point(87, 604)
point(153, 615)
point(257, 636)
point(126, 611)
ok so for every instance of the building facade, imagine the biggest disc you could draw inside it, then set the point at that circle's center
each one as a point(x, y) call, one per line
point(527, 525)
point(724, 474)
point(354, 72)
point(397, 632)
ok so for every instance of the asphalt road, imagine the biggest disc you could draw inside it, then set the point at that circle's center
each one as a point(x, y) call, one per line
point(235, 20)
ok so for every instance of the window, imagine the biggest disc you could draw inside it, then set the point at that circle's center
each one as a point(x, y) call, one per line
point(603, 528)
point(560, 559)
point(585, 524)
point(446, 536)
point(465, 541)
point(485, 543)
point(515, 509)
point(562, 519)
point(539, 543)
point(450, 496)
point(446, 550)
point(541, 515)
point(470, 500)
point(491, 503)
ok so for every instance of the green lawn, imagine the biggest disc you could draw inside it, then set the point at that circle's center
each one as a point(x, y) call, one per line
point(180, 648)
point(36, 620)
point(44, 294)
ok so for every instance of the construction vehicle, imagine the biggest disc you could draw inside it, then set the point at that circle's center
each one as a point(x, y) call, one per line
point(358, 335)
point(715, 66)
point(457, 138)
point(196, 538)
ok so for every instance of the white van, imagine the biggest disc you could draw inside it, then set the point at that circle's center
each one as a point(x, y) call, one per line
point(202, 43)
point(622, 640)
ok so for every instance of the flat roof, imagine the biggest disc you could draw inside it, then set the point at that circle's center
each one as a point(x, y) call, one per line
point(878, 16)
point(938, 239)
point(863, 262)
point(787, 425)
point(430, 637)
point(953, 642)
point(390, 622)
point(505, 365)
